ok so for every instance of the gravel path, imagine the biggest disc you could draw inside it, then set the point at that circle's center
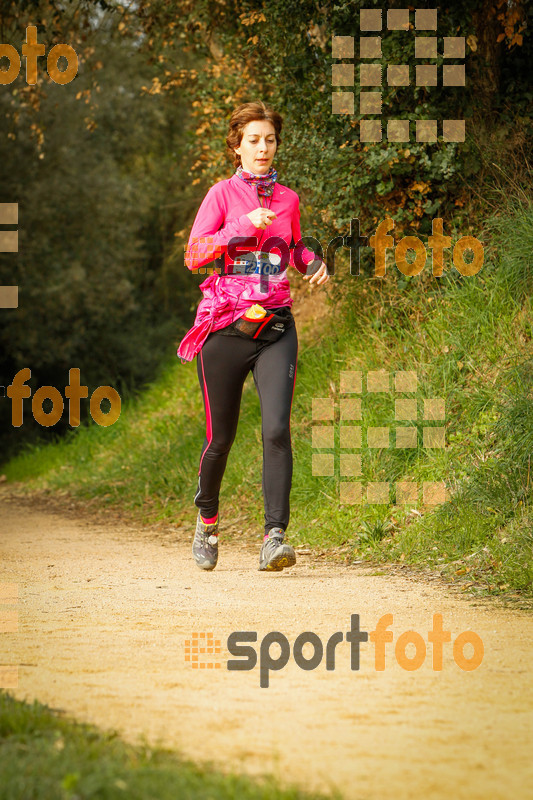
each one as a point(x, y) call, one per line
point(105, 608)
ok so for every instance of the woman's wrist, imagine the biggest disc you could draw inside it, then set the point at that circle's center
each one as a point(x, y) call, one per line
point(246, 222)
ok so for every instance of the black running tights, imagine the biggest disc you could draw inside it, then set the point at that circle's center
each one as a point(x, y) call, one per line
point(223, 364)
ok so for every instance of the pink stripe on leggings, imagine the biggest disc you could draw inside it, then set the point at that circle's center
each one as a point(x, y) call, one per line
point(208, 421)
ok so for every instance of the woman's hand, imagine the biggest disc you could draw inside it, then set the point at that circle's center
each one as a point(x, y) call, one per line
point(261, 217)
point(320, 276)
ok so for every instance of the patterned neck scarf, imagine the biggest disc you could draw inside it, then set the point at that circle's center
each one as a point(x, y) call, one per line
point(264, 183)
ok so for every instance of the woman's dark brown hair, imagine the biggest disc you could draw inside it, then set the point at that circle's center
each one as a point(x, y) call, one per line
point(244, 114)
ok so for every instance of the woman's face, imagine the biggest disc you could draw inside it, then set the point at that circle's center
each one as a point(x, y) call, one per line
point(258, 146)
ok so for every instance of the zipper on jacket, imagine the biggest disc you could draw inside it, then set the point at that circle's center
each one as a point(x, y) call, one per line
point(262, 206)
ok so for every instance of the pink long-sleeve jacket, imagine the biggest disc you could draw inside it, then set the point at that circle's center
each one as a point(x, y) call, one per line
point(221, 218)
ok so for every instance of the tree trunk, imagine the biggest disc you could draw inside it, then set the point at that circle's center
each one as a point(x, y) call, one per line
point(486, 64)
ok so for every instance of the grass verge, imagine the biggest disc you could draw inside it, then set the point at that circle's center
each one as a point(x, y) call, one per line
point(46, 757)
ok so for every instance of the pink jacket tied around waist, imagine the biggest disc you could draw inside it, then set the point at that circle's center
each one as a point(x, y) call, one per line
point(221, 217)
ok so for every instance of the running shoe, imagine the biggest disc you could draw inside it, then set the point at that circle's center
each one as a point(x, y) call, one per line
point(205, 544)
point(274, 554)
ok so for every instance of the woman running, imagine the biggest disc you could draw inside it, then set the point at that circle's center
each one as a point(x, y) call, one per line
point(244, 322)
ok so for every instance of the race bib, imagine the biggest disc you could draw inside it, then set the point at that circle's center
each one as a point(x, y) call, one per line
point(256, 262)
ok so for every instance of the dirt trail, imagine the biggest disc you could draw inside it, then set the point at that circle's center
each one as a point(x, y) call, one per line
point(105, 608)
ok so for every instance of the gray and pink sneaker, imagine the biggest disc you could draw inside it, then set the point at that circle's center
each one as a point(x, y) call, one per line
point(274, 554)
point(205, 544)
